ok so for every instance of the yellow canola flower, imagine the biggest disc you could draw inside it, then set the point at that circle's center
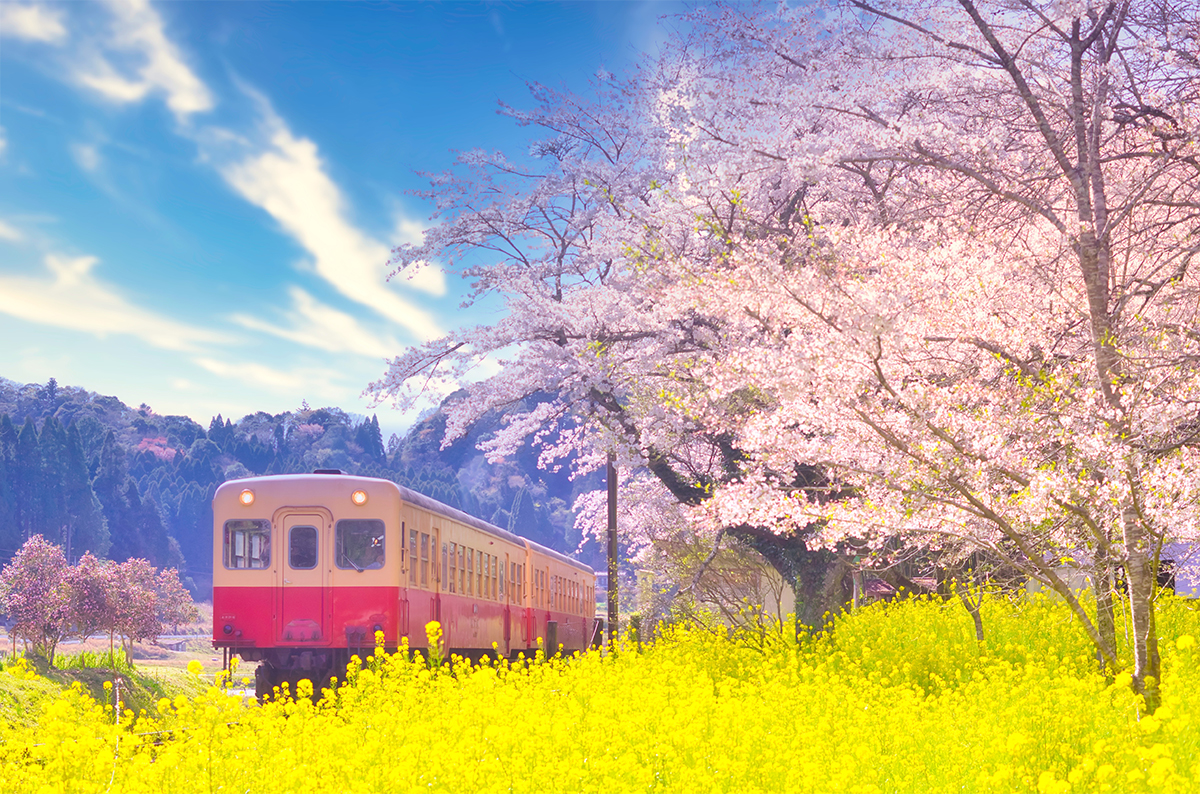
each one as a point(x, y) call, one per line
point(926, 709)
point(194, 667)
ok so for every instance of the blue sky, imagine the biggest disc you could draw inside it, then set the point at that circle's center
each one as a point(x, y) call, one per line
point(197, 199)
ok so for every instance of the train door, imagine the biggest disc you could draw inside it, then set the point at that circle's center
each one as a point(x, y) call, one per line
point(530, 599)
point(436, 578)
point(508, 602)
point(303, 592)
point(406, 563)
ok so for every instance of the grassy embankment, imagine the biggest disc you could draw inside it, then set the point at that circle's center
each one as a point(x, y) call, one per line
point(157, 672)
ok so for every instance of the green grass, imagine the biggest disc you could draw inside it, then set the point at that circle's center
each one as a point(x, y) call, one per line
point(22, 699)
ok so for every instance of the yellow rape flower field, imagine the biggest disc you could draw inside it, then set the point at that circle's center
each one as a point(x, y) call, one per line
point(896, 698)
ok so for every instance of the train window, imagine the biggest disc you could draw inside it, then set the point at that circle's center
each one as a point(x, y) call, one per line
point(358, 544)
point(248, 543)
point(424, 560)
point(502, 573)
point(479, 573)
point(445, 563)
point(453, 566)
point(302, 548)
point(495, 580)
point(470, 572)
point(412, 557)
point(462, 570)
point(487, 575)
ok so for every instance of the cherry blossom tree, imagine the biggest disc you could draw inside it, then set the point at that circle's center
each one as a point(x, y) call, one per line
point(561, 237)
point(34, 594)
point(89, 591)
point(985, 324)
point(50, 600)
point(135, 605)
point(911, 271)
point(173, 603)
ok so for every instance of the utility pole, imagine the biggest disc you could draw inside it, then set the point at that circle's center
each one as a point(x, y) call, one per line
point(613, 599)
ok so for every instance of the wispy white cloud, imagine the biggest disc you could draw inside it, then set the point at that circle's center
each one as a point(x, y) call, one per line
point(287, 178)
point(317, 325)
point(72, 297)
point(86, 156)
point(10, 232)
point(313, 381)
point(32, 21)
point(137, 30)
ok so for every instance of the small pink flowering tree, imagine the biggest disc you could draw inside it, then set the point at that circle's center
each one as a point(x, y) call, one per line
point(133, 594)
point(89, 588)
point(34, 593)
point(49, 600)
point(173, 603)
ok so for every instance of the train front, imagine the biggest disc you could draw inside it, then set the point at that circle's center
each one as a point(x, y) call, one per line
point(306, 568)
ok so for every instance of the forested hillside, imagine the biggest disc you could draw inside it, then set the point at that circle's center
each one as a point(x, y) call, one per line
point(89, 472)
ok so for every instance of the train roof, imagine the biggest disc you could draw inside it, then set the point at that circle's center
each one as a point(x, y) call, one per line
point(429, 503)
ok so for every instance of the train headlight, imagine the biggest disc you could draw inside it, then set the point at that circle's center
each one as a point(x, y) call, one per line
point(246, 497)
point(359, 498)
point(228, 629)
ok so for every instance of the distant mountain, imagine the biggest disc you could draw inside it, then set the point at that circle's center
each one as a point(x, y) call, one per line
point(88, 471)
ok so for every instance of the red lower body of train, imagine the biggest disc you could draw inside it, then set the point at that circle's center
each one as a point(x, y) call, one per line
point(280, 628)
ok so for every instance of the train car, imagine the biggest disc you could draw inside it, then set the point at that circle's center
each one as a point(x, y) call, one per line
point(308, 567)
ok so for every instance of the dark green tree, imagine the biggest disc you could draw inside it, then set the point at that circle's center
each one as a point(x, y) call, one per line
point(10, 535)
point(8, 439)
point(370, 438)
point(27, 480)
point(148, 538)
point(111, 486)
point(53, 520)
point(191, 523)
point(220, 432)
point(88, 527)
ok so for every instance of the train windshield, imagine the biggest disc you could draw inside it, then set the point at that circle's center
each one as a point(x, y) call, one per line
point(248, 543)
point(359, 543)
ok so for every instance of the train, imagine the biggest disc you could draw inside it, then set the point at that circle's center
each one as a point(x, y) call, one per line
point(307, 568)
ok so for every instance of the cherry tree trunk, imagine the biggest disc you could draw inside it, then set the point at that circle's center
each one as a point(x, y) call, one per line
point(1139, 574)
point(1102, 579)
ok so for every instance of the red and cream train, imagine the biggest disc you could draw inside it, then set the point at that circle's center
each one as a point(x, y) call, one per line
point(307, 567)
